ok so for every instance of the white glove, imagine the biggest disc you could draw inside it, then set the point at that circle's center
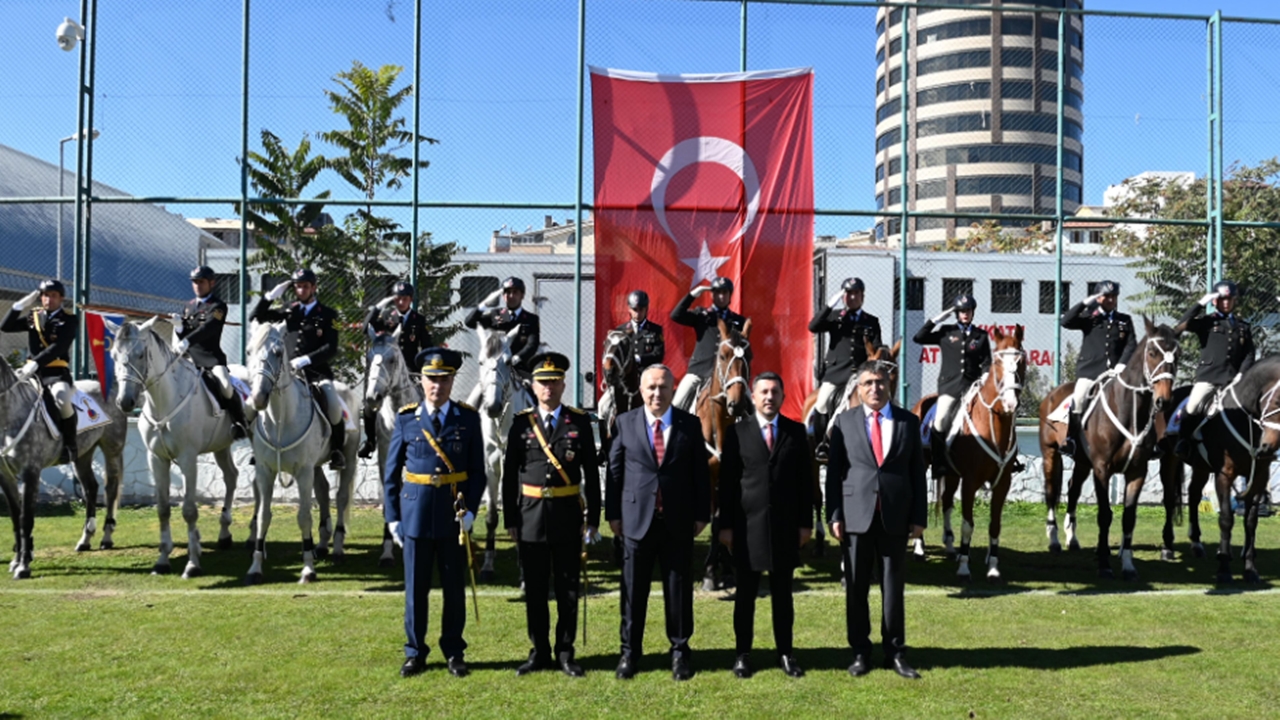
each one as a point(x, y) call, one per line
point(27, 300)
point(699, 290)
point(386, 301)
point(277, 291)
point(468, 520)
point(491, 300)
point(591, 536)
point(837, 300)
point(1209, 297)
point(181, 347)
point(396, 536)
point(1120, 368)
point(28, 370)
point(942, 315)
point(299, 362)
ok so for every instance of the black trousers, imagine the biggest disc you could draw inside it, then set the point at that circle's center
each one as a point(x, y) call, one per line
point(861, 553)
point(551, 563)
point(781, 600)
point(420, 554)
point(673, 555)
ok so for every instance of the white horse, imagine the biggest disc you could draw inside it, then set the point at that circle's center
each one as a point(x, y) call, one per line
point(388, 387)
point(500, 396)
point(291, 436)
point(179, 422)
point(27, 446)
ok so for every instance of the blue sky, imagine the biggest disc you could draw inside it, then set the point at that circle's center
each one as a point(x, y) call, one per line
point(499, 90)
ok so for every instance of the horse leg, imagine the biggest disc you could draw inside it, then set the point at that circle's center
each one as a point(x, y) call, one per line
point(487, 574)
point(323, 489)
point(160, 471)
point(1101, 487)
point(346, 488)
point(948, 505)
point(265, 482)
point(966, 530)
point(1195, 492)
point(83, 469)
point(1171, 487)
point(190, 513)
point(998, 494)
point(1226, 521)
point(14, 499)
point(114, 466)
point(306, 478)
point(26, 550)
point(1052, 495)
point(230, 476)
point(1129, 520)
point(1078, 473)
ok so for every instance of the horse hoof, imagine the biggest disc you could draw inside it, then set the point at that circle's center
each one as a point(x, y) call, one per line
point(84, 547)
point(225, 543)
point(951, 554)
point(1106, 573)
point(1197, 550)
point(192, 572)
point(995, 579)
point(23, 574)
point(964, 579)
point(1252, 577)
point(322, 552)
point(106, 545)
point(708, 584)
point(1055, 549)
point(337, 558)
point(386, 562)
point(1074, 545)
point(1167, 555)
point(307, 578)
point(161, 569)
point(1129, 575)
point(488, 576)
point(253, 579)
point(918, 556)
point(1224, 577)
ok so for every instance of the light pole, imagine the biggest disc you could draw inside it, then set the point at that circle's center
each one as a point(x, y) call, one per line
point(62, 146)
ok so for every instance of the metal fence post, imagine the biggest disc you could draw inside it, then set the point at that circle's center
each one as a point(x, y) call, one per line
point(905, 98)
point(78, 232)
point(82, 353)
point(1057, 210)
point(1218, 149)
point(577, 210)
point(244, 185)
point(417, 132)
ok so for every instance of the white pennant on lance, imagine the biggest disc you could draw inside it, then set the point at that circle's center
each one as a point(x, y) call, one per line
point(690, 152)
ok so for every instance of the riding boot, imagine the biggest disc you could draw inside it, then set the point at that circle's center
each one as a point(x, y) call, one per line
point(820, 453)
point(239, 424)
point(938, 451)
point(70, 451)
point(1185, 434)
point(1070, 446)
point(337, 440)
point(370, 417)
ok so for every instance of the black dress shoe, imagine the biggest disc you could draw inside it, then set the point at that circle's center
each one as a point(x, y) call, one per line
point(458, 667)
point(790, 666)
point(413, 666)
point(899, 665)
point(570, 667)
point(626, 668)
point(742, 667)
point(535, 663)
point(860, 666)
point(680, 669)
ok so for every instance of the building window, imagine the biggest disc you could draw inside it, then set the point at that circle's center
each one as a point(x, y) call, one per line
point(931, 223)
point(915, 293)
point(1006, 296)
point(969, 122)
point(895, 196)
point(1040, 122)
point(951, 93)
point(994, 185)
point(879, 201)
point(962, 28)
point(931, 189)
point(879, 173)
point(951, 287)
point(1040, 154)
point(475, 288)
point(889, 138)
point(1016, 26)
point(889, 109)
point(227, 285)
point(1046, 297)
point(954, 61)
point(895, 165)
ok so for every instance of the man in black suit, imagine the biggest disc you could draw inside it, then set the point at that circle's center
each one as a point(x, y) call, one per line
point(657, 499)
point(876, 497)
point(766, 490)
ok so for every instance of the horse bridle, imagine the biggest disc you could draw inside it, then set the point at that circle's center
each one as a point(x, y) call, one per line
point(624, 362)
point(1168, 357)
point(131, 374)
point(723, 369)
point(1008, 379)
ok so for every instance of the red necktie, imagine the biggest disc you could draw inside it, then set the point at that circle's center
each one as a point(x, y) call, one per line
point(877, 446)
point(658, 451)
point(768, 436)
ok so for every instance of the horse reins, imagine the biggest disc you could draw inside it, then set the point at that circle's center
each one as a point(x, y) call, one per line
point(1008, 382)
point(1169, 357)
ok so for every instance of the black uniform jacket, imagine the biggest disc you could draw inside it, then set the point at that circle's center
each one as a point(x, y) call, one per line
point(551, 519)
point(966, 354)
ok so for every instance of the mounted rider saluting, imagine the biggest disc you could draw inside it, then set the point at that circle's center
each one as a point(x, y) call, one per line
point(199, 327)
point(524, 343)
point(849, 328)
point(966, 355)
point(1109, 342)
point(1226, 352)
point(704, 322)
point(50, 331)
point(647, 340)
point(312, 339)
point(394, 311)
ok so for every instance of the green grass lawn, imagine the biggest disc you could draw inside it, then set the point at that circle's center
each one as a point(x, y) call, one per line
point(95, 634)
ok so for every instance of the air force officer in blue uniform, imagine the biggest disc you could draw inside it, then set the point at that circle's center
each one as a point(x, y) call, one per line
point(435, 467)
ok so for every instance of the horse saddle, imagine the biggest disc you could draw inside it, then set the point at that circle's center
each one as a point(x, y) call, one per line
point(89, 414)
point(1061, 414)
point(1175, 420)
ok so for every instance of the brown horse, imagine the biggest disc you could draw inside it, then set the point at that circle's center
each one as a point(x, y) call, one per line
point(985, 448)
point(620, 375)
point(1119, 435)
point(886, 358)
point(1240, 440)
point(725, 399)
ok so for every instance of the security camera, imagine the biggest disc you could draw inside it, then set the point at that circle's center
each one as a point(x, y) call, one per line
point(69, 33)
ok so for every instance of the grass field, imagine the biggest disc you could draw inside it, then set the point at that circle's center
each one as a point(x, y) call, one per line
point(95, 634)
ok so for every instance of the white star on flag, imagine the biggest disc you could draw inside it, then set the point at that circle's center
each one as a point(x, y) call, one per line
point(705, 265)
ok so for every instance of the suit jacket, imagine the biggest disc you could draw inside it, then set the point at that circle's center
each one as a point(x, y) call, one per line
point(965, 354)
point(1226, 345)
point(1109, 340)
point(525, 463)
point(855, 482)
point(705, 324)
point(634, 475)
point(314, 334)
point(766, 497)
point(848, 332)
point(201, 327)
point(425, 511)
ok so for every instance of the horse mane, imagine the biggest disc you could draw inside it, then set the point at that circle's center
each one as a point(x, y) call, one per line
point(494, 344)
point(1257, 381)
point(259, 338)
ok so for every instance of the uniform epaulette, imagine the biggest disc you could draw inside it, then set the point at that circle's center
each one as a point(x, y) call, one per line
point(465, 406)
point(574, 410)
point(526, 411)
point(408, 408)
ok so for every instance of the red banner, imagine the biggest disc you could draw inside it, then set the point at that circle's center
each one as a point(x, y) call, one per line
point(699, 176)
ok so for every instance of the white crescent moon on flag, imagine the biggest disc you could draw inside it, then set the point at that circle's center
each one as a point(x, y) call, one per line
point(706, 149)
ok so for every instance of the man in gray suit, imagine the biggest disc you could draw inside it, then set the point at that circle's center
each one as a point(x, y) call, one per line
point(657, 499)
point(876, 498)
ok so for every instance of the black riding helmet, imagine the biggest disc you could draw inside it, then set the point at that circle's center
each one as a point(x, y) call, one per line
point(53, 286)
point(403, 289)
point(304, 275)
point(853, 284)
point(513, 283)
point(964, 303)
point(638, 300)
point(1108, 287)
point(204, 272)
point(1226, 288)
point(722, 283)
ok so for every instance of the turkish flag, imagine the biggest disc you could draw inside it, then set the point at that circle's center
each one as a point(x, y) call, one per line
point(699, 176)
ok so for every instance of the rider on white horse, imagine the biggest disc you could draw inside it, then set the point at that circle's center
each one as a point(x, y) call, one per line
point(650, 347)
point(704, 323)
point(394, 311)
point(312, 340)
point(966, 355)
point(528, 335)
point(199, 327)
point(50, 331)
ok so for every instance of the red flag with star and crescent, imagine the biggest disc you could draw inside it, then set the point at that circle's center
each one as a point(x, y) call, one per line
point(699, 176)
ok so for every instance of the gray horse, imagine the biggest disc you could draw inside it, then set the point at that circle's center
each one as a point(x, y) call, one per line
point(388, 387)
point(27, 446)
point(179, 422)
point(291, 437)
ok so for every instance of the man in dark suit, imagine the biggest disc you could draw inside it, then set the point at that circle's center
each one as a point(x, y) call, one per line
point(766, 490)
point(876, 498)
point(657, 498)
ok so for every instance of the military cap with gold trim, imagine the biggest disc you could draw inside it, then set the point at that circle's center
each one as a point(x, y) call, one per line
point(439, 361)
point(549, 366)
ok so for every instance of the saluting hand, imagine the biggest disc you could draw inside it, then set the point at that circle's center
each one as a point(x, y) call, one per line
point(276, 292)
point(696, 292)
point(28, 370)
point(28, 300)
point(942, 315)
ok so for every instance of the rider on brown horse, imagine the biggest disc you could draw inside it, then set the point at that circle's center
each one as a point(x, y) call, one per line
point(966, 355)
point(1109, 341)
point(849, 328)
point(704, 321)
point(1226, 352)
